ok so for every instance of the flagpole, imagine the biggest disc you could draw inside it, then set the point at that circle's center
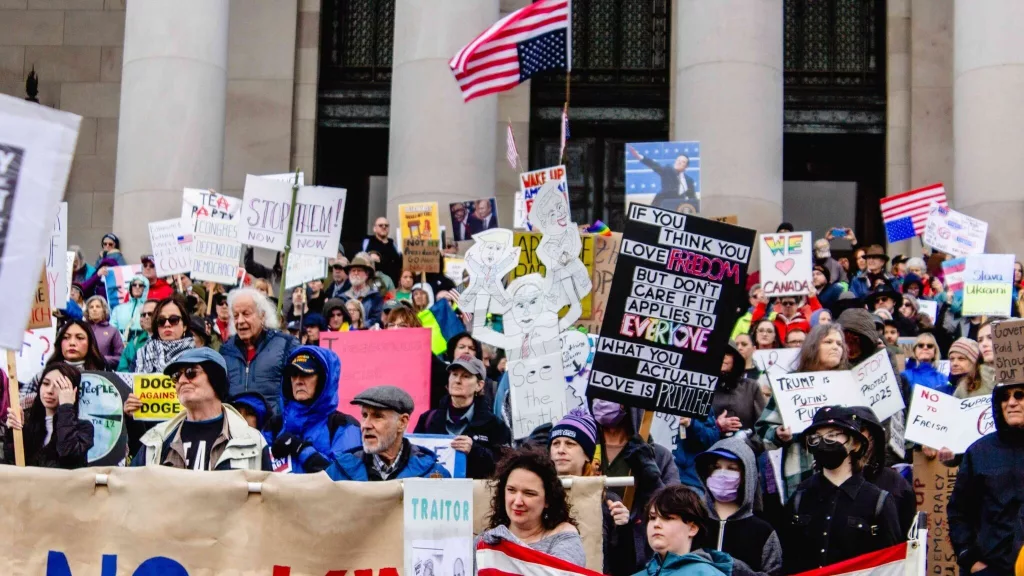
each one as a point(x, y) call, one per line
point(288, 240)
point(519, 158)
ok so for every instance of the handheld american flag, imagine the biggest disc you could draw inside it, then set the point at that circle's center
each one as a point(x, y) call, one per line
point(530, 40)
point(906, 214)
point(508, 559)
point(511, 152)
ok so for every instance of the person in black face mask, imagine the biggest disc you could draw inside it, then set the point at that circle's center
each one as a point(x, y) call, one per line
point(836, 514)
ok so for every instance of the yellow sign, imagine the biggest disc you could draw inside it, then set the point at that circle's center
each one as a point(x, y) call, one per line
point(530, 263)
point(419, 221)
point(159, 399)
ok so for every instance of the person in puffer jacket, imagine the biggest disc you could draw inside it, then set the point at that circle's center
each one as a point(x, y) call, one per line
point(923, 370)
point(310, 429)
point(729, 474)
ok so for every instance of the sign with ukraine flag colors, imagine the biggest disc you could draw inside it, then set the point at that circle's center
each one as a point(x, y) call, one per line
point(786, 264)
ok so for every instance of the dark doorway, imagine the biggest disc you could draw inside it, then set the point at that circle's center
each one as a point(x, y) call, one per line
point(347, 157)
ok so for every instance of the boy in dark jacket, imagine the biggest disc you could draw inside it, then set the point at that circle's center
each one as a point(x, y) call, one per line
point(310, 428)
point(885, 477)
point(466, 415)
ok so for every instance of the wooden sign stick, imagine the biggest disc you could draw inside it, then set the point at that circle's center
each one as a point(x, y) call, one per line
point(15, 398)
point(645, 431)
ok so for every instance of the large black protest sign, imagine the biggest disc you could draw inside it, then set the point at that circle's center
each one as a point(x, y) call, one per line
point(670, 311)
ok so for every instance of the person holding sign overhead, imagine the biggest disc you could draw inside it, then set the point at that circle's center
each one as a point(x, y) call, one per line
point(54, 435)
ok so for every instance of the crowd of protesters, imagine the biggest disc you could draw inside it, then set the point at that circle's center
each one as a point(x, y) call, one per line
point(259, 393)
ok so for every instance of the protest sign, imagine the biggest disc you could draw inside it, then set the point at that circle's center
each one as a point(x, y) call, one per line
point(374, 357)
point(730, 219)
point(906, 345)
point(158, 396)
point(266, 211)
point(117, 282)
point(537, 390)
point(519, 212)
point(134, 522)
point(530, 185)
point(800, 395)
point(171, 246)
point(288, 177)
point(786, 261)
point(438, 527)
point(939, 420)
point(70, 271)
point(530, 262)
point(1008, 345)
point(897, 434)
point(40, 316)
point(212, 219)
point(56, 263)
point(454, 268)
point(606, 254)
point(101, 401)
point(929, 308)
point(304, 268)
point(784, 360)
point(664, 175)
point(473, 216)
point(419, 221)
point(933, 486)
point(421, 255)
point(953, 272)
point(577, 361)
point(36, 147)
point(878, 386)
point(665, 430)
point(988, 285)
point(953, 232)
point(198, 203)
point(451, 459)
point(671, 302)
point(35, 350)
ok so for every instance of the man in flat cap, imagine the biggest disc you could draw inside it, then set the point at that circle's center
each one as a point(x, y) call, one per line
point(385, 454)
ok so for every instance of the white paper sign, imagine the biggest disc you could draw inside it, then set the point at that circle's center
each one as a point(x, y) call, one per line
point(37, 144)
point(519, 211)
point(784, 360)
point(938, 420)
point(56, 267)
point(954, 233)
point(799, 396)
point(70, 271)
point(449, 458)
point(438, 527)
point(786, 264)
point(303, 268)
point(929, 308)
point(198, 203)
point(171, 246)
point(266, 208)
point(878, 386)
point(288, 177)
point(37, 346)
point(537, 388)
point(454, 268)
point(577, 360)
point(988, 285)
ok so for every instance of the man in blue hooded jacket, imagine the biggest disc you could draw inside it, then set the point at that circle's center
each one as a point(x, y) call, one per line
point(385, 453)
point(310, 428)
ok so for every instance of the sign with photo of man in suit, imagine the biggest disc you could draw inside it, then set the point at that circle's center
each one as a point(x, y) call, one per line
point(664, 174)
point(473, 216)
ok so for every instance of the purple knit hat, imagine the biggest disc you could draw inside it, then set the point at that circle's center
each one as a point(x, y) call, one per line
point(579, 426)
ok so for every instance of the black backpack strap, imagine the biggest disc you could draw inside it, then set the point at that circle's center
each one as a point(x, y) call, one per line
point(879, 505)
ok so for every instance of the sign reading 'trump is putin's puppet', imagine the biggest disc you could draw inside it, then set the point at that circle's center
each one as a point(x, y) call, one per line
point(670, 311)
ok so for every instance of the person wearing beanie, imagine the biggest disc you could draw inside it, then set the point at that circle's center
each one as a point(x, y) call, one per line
point(738, 401)
point(828, 289)
point(312, 325)
point(310, 428)
point(466, 414)
point(784, 227)
point(207, 434)
point(965, 370)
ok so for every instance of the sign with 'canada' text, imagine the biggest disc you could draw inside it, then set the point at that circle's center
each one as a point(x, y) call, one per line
point(786, 264)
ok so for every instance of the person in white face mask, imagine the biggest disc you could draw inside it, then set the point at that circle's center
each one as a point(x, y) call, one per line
point(729, 474)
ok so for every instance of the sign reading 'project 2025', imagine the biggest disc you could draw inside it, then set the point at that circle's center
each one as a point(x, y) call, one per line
point(669, 311)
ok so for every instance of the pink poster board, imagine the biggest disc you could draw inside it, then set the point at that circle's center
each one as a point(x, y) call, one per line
point(382, 357)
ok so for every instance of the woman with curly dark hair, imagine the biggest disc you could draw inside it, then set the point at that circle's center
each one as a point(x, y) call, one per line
point(530, 507)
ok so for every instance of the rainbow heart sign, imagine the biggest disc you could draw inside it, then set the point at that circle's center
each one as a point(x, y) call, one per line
point(786, 263)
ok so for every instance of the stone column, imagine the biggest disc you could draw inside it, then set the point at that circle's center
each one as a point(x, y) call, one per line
point(441, 149)
point(897, 117)
point(988, 120)
point(727, 94)
point(171, 132)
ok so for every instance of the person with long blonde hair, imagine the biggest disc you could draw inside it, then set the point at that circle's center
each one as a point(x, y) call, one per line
point(923, 368)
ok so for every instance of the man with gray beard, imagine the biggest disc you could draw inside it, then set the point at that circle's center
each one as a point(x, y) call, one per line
point(385, 454)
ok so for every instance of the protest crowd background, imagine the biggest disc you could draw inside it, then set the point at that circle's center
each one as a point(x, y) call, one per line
point(684, 394)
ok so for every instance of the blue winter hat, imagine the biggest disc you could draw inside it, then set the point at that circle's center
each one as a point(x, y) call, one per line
point(211, 361)
point(314, 319)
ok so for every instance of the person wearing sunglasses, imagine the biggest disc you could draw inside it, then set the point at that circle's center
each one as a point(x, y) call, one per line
point(158, 287)
point(379, 242)
point(110, 249)
point(923, 368)
point(836, 514)
point(169, 336)
point(126, 316)
point(790, 312)
point(136, 342)
point(207, 434)
point(984, 510)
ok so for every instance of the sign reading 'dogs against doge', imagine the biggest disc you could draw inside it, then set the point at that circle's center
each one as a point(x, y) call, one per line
point(670, 308)
point(158, 396)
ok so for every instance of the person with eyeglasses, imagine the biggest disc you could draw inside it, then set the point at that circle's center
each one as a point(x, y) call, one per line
point(339, 278)
point(360, 275)
point(126, 316)
point(110, 249)
point(208, 434)
point(158, 287)
point(836, 514)
point(923, 368)
point(985, 525)
point(379, 242)
point(790, 312)
point(140, 337)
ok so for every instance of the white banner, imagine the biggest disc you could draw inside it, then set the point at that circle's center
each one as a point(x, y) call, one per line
point(786, 264)
point(266, 206)
point(938, 420)
point(56, 267)
point(303, 268)
point(438, 527)
point(954, 233)
point(37, 144)
point(172, 247)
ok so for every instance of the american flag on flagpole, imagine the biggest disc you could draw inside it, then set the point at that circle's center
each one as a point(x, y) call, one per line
point(906, 214)
point(565, 131)
point(508, 559)
point(511, 152)
point(530, 40)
